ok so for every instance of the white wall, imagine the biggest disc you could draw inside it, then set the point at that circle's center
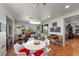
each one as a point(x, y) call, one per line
point(3, 14)
point(13, 25)
point(2, 37)
point(59, 24)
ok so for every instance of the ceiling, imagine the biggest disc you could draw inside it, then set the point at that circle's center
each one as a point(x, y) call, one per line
point(38, 12)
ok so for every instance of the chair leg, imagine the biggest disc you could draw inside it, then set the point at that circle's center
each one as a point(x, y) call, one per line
point(59, 43)
point(46, 54)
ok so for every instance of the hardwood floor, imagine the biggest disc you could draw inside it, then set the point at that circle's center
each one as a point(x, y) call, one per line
point(71, 49)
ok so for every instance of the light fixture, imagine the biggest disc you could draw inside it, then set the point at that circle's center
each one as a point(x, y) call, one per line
point(34, 22)
point(67, 6)
point(48, 15)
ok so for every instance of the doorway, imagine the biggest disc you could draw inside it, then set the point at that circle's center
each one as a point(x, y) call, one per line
point(72, 39)
point(9, 36)
point(45, 29)
point(72, 27)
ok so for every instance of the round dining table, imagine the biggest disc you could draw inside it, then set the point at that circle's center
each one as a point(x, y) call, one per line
point(31, 46)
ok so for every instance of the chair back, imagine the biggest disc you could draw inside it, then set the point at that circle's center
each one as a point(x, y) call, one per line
point(46, 52)
point(15, 49)
point(47, 42)
point(60, 38)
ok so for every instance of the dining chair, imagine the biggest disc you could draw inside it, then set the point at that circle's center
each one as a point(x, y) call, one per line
point(38, 53)
point(47, 42)
point(46, 52)
point(41, 52)
point(21, 52)
point(17, 52)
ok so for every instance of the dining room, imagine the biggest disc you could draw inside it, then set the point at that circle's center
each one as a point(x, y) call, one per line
point(36, 29)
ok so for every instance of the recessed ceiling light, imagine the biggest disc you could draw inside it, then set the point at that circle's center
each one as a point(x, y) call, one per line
point(48, 15)
point(67, 6)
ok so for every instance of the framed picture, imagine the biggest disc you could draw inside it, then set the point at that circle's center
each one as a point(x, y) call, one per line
point(52, 29)
point(58, 29)
point(54, 24)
